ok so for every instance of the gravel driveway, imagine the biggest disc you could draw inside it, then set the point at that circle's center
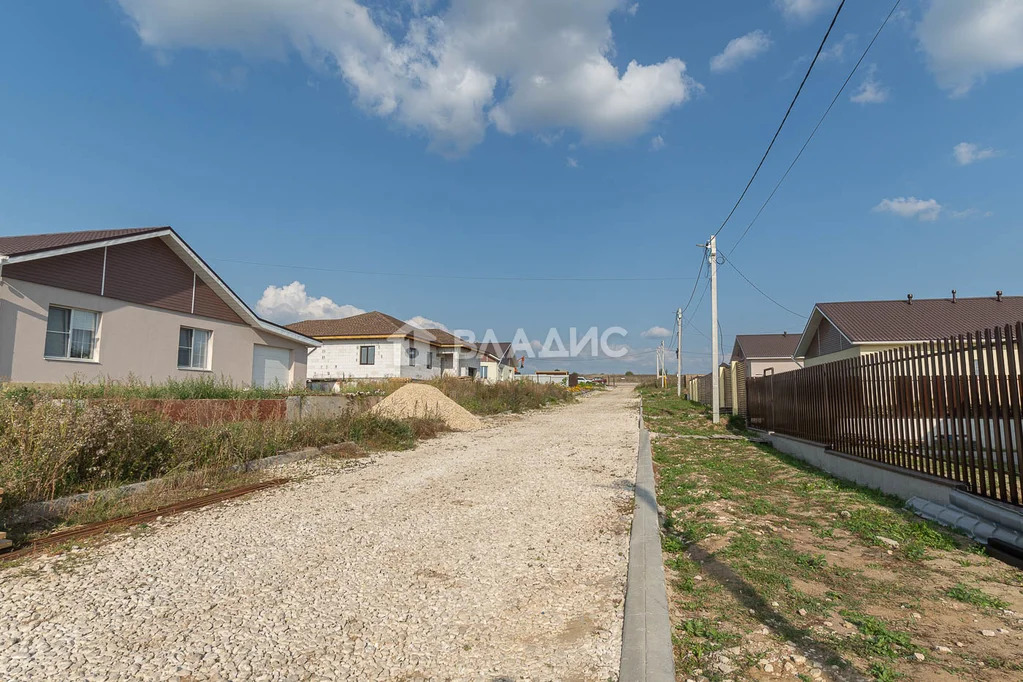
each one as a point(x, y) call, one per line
point(499, 554)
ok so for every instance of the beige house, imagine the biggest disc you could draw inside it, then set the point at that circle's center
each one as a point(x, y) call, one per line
point(753, 355)
point(497, 362)
point(139, 303)
point(836, 331)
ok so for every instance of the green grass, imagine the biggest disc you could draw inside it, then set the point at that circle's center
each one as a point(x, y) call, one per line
point(879, 639)
point(976, 597)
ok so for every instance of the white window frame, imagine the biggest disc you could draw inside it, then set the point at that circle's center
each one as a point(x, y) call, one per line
point(429, 359)
point(413, 353)
point(192, 367)
point(68, 342)
point(483, 372)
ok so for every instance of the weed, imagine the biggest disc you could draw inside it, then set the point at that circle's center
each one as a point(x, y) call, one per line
point(974, 596)
point(879, 639)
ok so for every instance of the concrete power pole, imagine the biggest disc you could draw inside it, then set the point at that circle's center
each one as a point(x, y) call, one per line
point(715, 351)
point(678, 316)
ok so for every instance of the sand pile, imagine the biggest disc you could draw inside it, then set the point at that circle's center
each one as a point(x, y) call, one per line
point(423, 400)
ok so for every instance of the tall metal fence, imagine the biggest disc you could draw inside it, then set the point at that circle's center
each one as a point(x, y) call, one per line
point(949, 408)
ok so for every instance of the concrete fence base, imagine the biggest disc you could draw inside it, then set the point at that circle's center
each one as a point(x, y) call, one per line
point(877, 475)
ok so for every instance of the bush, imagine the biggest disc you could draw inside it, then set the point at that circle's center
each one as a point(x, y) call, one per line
point(50, 448)
point(503, 396)
point(133, 388)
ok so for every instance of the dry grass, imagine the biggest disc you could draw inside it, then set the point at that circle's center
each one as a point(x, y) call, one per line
point(504, 396)
point(50, 448)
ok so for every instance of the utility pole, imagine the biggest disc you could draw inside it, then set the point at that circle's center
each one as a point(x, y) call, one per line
point(715, 360)
point(678, 316)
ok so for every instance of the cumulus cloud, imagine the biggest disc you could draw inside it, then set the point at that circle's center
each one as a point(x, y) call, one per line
point(426, 323)
point(966, 153)
point(739, 50)
point(632, 9)
point(525, 66)
point(657, 143)
point(802, 10)
point(291, 303)
point(572, 162)
point(911, 207)
point(656, 333)
point(966, 41)
point(870, 91)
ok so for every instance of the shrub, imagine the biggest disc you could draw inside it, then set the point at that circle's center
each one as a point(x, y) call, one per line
point(503, 396)
point(50, 448)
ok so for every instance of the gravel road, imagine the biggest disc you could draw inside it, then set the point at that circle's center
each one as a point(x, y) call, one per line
point(496, 555)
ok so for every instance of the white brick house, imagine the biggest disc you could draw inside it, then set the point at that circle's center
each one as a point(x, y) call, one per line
point(377, 346)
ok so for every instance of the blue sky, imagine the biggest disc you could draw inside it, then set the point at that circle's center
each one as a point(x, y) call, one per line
point(503, 140)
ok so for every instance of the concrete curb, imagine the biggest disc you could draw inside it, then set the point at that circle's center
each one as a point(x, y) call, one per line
point(647, 654)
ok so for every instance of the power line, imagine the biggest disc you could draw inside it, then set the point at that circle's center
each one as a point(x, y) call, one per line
point(695, 285)
point(777, 132)
point(762, 292)
point(819, 123)
point(459, 277)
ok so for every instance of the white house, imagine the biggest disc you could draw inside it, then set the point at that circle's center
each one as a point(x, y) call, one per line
point(377, 346)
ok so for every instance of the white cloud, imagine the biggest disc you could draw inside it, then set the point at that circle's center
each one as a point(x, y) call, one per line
point(291, 303)
point(965, 40)
point(966, 153)
point(971, 213)
point(739, 50)
point(426, 323)
point(911, 207)
point(656, 333)
point(657, 143)
point(802, 10)
point(572, 162)
point(524, 66)
point(871, 91)
point(837, 49)
point(632, 9)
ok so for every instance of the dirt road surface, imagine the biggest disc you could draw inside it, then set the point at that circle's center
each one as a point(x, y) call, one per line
point(499, 554)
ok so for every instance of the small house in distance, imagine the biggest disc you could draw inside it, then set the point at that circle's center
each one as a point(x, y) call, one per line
point(752, 356)
point(849, 329)
point(375, 345)
point(131, 303)
point(497, 362)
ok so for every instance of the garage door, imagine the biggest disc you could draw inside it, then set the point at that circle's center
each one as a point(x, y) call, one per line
point(270, 366)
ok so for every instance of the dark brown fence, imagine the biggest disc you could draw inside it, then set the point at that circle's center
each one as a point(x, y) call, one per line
point(949, 408)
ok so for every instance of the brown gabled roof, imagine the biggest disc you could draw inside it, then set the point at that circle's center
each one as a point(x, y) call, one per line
point(766, 346)
point(372, 324)
point(922, 320)
point(445, 338)
point(500, 350)
point(34, 243)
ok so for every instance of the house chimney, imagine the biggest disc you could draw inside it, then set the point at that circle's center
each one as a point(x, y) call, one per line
point(998, 295)
point(909, 299)
point(953, 295)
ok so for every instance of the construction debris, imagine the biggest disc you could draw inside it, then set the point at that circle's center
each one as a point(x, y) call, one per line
point(423, 400)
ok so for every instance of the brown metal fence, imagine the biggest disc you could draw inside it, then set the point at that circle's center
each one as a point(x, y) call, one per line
point(949, 408)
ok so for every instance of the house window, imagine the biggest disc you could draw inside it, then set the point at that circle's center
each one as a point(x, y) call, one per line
point(413, 352)
point(429, 359)
point(483, 371)
point(367, 355)
point(193, 348)
point(71, 334)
